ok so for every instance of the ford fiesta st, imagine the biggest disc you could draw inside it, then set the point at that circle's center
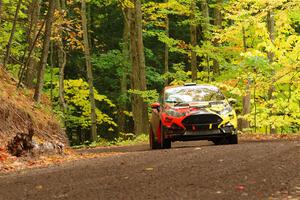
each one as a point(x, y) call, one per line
point(192, 112)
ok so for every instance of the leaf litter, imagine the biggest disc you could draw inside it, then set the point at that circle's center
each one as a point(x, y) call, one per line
point(9, 163)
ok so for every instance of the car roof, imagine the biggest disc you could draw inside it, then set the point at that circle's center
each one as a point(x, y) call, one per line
point(208, 86)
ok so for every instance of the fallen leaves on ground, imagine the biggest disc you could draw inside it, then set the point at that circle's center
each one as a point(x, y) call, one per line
point(10, 163)
point(3, 155)
point(149, 169)
point(240, 187)
point(267, 137)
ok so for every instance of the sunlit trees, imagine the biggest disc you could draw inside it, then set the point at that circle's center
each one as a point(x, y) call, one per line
point(248, 48)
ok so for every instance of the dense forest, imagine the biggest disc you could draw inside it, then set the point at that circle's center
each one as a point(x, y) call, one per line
point(101, 62)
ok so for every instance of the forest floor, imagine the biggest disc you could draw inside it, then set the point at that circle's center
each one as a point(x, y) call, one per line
point(253, 169)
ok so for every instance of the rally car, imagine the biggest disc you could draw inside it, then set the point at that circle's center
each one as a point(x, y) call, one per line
point(192, 112)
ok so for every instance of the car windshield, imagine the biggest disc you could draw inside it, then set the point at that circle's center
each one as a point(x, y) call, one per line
point(187, 94)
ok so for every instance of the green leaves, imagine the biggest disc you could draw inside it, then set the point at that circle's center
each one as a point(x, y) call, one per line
point(79, 108)
point(149, 96)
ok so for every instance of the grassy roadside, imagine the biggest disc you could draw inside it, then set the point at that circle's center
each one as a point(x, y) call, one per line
point(263, 137)
point(133, 140)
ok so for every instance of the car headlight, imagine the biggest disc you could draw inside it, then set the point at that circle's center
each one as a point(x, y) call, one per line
point(174, 113)
point(226, 111)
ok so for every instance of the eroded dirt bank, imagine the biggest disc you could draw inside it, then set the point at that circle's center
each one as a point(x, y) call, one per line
point(19, 114)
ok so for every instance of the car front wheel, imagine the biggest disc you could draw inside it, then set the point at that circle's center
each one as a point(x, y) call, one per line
point(232, 139)
point(167, 144)
point(152, 140)
point(164, 142)
point(219, 141)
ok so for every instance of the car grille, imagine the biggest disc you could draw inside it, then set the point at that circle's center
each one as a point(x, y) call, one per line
point(203, 132)
point(202, 122)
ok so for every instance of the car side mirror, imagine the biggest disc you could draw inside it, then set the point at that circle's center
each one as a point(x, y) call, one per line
point(232, 101)
point(155, 106)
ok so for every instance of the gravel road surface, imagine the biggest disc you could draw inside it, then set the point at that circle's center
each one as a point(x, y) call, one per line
point(190, 170)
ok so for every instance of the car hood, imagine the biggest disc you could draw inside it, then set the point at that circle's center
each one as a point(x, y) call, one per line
point(195, 108)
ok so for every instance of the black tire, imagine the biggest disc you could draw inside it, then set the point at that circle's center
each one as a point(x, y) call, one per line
point(232, 139)
point(219, 141)
point(165, 143)
point(153, 142)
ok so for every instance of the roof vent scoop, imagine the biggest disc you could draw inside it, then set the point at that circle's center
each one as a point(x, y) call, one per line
point(190, 84)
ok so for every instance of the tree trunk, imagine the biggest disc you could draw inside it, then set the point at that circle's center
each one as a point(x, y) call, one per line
point(205, 21)
point(244, 124)
point(0, 12)
point(218, 24)
point(32, 63)
point(271, 30)
point(13, 30)
point(28, 71)
point(246, 106)
point(124, 77)
point(89, 27)
point(89, 71)
point(51, 71)
point(122, 104)
point(138, 76)
point(44, 56)
point(25, 68)
point(63, 4)
point(193, 32)
point(205, 30)
point(166, 57)
point(62, 60)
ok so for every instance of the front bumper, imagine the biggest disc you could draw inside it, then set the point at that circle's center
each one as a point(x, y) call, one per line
point(187, 135)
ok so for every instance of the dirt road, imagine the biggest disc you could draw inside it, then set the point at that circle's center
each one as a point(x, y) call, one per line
point(190, 170)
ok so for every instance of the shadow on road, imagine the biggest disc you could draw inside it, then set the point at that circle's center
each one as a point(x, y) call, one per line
point(143, 147)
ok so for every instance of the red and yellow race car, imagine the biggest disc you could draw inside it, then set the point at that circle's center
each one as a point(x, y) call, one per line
point(192, 112)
